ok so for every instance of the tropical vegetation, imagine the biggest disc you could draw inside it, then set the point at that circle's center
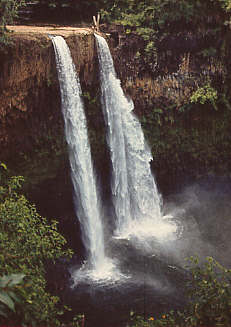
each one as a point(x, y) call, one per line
point(209, 296)
point(28, 243)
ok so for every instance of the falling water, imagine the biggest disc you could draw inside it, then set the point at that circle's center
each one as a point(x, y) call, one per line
point(85, 193)
point(136, 200)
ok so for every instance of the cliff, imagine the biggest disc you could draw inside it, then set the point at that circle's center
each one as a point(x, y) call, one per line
point(29, 98)
point(186, 140)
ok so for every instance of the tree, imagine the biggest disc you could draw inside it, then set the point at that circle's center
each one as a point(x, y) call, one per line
point(66, 11)
point(9, 11)
point(180, 26)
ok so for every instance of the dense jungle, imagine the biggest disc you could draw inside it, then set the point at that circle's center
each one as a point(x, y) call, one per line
point(172, 58)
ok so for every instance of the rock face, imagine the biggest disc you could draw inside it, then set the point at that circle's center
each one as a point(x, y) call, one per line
point(29, 90)
point(184, 140)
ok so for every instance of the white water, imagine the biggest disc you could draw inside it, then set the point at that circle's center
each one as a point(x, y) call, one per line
point(85, 192)
point(136, 200)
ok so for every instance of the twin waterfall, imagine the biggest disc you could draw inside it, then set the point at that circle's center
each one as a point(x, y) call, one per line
point(135, 197)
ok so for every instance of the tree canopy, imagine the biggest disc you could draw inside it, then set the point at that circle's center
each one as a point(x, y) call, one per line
point(200, 26)
point(9, 10)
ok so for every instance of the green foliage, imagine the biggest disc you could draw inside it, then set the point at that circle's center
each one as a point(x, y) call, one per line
point(70, 3)
point(176, 25)
point(3, 169)
point(194, 142)
point(209, 294)
point(8, 292)
point(27, 243)
point(66, 10)
point(9, 11)
point(205, 94)
point(165, 13)
point(3, 165)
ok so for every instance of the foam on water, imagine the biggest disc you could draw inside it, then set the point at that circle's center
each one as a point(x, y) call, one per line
point(162, 231)
point(106, 274)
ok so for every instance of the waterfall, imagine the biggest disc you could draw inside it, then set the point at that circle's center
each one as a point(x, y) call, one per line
point(85, 191)
point(136, 200)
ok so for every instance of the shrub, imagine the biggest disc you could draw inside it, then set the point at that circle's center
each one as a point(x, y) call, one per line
point(209, 294)
point(27, 243)
point(205, 94)
point(8, 292)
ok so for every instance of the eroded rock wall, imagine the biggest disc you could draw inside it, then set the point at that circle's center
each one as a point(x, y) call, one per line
point(30, 112)
point(185, 140)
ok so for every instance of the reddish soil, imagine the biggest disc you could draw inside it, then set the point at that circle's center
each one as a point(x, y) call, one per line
point(63, 31)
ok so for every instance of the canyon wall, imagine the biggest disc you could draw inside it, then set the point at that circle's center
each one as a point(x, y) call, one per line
point(29, 97)
point(187, 141)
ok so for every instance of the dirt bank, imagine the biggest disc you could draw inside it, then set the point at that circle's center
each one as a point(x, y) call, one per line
point(51, 29)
